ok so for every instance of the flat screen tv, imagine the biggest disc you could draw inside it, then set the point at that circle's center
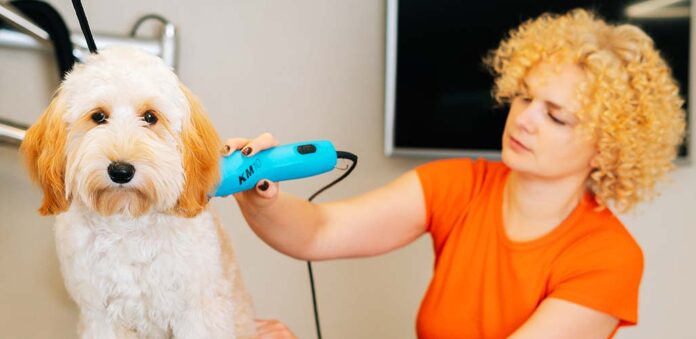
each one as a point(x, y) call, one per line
point(438, 99)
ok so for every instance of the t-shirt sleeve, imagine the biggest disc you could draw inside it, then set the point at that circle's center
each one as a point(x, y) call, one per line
point(602, 273)
point(448, 186)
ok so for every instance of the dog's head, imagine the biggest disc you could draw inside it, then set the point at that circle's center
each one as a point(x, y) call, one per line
point(122, 135)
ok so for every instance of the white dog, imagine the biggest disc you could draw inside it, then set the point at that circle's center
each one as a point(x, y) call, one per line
point(126, 158)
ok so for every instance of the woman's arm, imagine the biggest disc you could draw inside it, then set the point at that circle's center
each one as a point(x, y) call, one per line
point(557, 318)
point(372, 223)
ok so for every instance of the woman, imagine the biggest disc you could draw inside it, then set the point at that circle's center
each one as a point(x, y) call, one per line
point(524, 248)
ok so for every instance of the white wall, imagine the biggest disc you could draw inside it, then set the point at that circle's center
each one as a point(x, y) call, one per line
point(301, 69)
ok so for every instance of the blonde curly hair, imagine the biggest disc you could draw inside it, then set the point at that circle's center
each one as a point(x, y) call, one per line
point(631, 103)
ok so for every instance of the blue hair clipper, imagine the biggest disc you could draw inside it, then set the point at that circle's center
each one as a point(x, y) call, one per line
point(285, 162)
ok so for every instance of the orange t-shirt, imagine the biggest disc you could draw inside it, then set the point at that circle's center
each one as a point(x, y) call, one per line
point(486, 285)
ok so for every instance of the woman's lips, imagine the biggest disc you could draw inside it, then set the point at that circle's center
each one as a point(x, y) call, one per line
point(518, 146)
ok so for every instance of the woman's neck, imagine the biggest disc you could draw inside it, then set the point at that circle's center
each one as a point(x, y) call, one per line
point(534, 206)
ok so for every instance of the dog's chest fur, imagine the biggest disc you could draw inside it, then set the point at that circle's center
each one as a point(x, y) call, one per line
point(144, 273)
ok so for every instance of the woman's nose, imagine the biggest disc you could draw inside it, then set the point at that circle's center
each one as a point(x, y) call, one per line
point(527, 117)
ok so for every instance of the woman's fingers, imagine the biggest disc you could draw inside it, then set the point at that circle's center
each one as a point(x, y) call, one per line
point(250, 147)
point(273, 329)
point(267, 189)
point(261, 142)
point(234, 144)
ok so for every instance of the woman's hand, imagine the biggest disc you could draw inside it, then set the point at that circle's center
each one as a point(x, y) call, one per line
point(273, 329)
point(265, 191)
point(369, 224)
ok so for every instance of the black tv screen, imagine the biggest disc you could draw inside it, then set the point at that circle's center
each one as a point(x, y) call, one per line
point(438, 92)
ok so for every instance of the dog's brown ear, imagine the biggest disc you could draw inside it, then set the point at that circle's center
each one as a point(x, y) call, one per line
point(201, 152)
point(43, 148)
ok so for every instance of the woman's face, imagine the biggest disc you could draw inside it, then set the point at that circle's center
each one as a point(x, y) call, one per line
point(540, 136)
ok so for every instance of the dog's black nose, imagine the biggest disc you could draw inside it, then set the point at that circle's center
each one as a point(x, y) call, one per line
point(121, 172)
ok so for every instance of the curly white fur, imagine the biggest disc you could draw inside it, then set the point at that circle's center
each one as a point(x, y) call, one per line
point(135, 267)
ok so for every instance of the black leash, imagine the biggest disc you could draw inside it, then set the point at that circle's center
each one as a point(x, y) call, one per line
point(84, 25)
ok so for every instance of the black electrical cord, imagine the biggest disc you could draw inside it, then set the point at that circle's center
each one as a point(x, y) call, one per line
point(354, 161)
point(340, 155)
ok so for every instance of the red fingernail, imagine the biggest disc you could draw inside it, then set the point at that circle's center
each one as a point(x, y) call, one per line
point(246, 150)
point(227, 149)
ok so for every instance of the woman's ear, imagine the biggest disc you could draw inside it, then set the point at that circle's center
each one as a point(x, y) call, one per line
point(43, 148)
point(201, 156)
point(594, 161)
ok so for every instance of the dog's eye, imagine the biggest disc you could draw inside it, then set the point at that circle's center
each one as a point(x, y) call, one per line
point(150, 117)
point(99, 117)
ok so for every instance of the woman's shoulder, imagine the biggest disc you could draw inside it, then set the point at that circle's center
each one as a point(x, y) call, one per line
point(601, 234)
point(461, 177)
point(463, 167)
point(605, 221)
point(449, 188)
point(601, 268)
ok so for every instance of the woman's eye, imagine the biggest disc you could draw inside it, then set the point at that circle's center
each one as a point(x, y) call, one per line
point(524, 98)
point(556, 120)
point(99, 117)
point(150, 117)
